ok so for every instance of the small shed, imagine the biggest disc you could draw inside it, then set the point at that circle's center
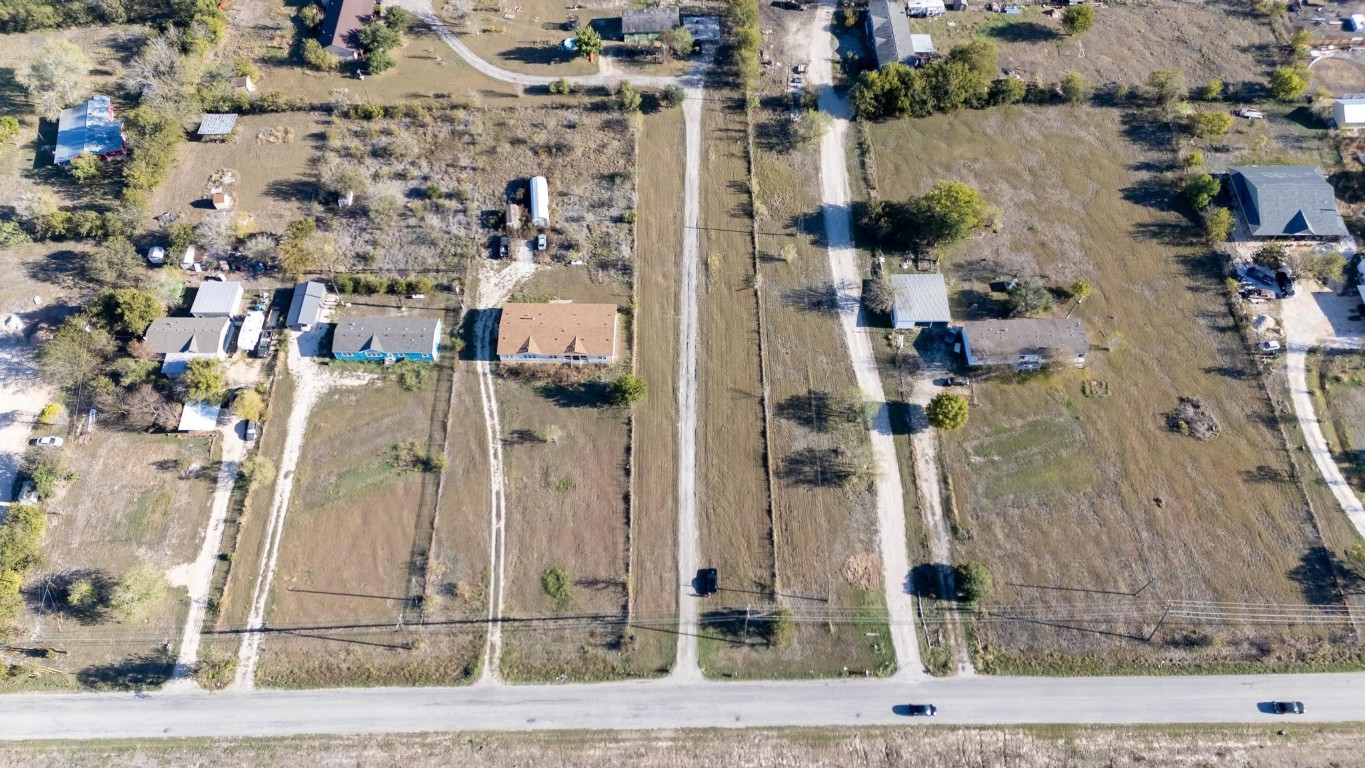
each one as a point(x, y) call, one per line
point(1356, 23)
point(540, 202)
point(216, 127)
point(305, 308)
point(245, 85)
point(1349, 112)
point(156, 256)
point(222, 200)
point(920, 300)
point(513, 217)
point(921, 47)
point(199, 417)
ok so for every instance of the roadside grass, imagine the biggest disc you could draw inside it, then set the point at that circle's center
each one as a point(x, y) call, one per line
point(1114, 498)
point(127, 504)
point(1336, 379)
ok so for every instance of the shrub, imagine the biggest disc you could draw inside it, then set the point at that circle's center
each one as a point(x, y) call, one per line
point(784, 627)
point(379, 61)
point(248, 405)
point(50, 413)
point(1007, 90)
point(83, 595)
point(1078, 18)
point(1289, 83)
point(1074, 87)
point(205, 380)
point(9, 128)
point(318, 58)
point(973, 581)
point(947, 411)
point(629, 217)
point(561, 86)
point(671, 95)
point(1201, 190)
point(1194, 159)
point(627, 389)
point(1029, 298)
point(1217, 225)
point(1207, 125)
point(136, 591)
point(555, 582)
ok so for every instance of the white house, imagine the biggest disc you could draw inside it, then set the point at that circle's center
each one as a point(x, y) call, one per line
point(540, 202)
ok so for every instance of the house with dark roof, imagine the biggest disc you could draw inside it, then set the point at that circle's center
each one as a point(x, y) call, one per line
point(920, 300)
point(1286, 201)
point(644, 25)
point(89, 128)
point(341, 27)
point(305, 308)
point(558, 332)
point(889, 30)
point(1026, 344)
point(182, 339)
point(387, 339)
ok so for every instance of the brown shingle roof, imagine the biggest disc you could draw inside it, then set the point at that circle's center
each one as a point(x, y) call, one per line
point(558, 329)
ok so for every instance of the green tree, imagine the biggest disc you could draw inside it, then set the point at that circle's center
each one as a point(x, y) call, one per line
point(205, 380)
point(133, 309)
point(1208, 125)
point(1201, 190)
point(1080, 290)
point(627, 98)
point(783, 627)
point(76, 354)
point(318, 58)
point(311, 15)
point(973, 582)
point(56, 78)
point(878, 295)
point(378, 36)
point(1007, 90)
point(671, 95)
point(86, 168)
point(947, 411)
point(627, 389)
point(396, 18)
point(1167, 85)
point(1217, 225)
point(557, 584)
point(133, 372)
point(50, 414)
point(11, 601)
point(44, 467)
point(949, 212)
point(1074, 87)
point(115, 264)
point(248, 405)
point(1213, 91)
point(379, 61)
point(9, 128)
point(679, 40)
point(561, 86)
point(1288, 83)
point(1078, 18)
point(136, 591)
point(979, 55)
point(21, 533)
point(587, 43)
point(1271, 256)
point(83, 595)
point(1029, 298)
point(1325, 266)
point(1194, 159)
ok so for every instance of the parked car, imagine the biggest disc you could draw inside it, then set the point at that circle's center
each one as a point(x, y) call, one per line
point(541, 242)
point(251, 431)
point(1269, 346)
point(51, 441)
point(1287, 707)
point(921, 710)
point(957, 381)
point(706, 582)
point(1285, 282)
point(504, 247)
point(29, 494)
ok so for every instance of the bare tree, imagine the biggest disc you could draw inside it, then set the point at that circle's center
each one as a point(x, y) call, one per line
point(56, 77)
point(216, 233)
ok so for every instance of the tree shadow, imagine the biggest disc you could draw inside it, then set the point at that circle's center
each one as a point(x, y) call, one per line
point(831, 297)
point(813, 410)
point(587, 394)
point(292, 190)
point(52, 595)
point(1143, 129)
point(739, 626)
point(523, 437)
point(145, 670)
point(1022, 32)
point(1316, 574)
point(817, 467)
point(931, 580)
point(539, 54)
point(13, 97)
point(63, 268)
point(1149, 192)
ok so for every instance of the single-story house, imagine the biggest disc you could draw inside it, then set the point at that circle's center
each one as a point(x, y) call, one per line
point(1026, 344)
point(216, 127)
point(644, 25)
point(387, 339)
point(89, 128)
point(925, 8)
point(305, 308)
point(182, 339)
point(217, 299)
point(558, 332)
point(1292, 201)
point(920, 300)
point(341, 27)
point(889, 30)
point(1349, 112)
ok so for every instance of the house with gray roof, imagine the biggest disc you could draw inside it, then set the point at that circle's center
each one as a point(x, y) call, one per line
point(182, 339)
point(644, 25)
point(305, 308)
point(1025, 343)
point(89, 128)
point(920, 300)
point(217, 299)
point(1289, 201)
point(889, 31)
point(387, 339)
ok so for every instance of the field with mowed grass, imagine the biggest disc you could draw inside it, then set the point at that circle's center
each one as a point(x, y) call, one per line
point(1092, 514)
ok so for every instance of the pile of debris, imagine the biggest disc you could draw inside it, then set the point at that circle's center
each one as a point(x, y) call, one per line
point(1190, 419)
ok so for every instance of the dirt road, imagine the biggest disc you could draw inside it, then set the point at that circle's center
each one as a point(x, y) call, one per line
point(22, 396)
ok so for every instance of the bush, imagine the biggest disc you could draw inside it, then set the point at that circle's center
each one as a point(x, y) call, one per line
point(973, 581)
point(555, 582)
point(1217, 225)
point(627, 390)
point(784, 628)
point(318, 58)
point(1029, 298)
point(1007, 90)
point(1078, 18)
point(379, 61)
point(1074, 87)
point(136, 591)
point(9, 128)
point(561, 87)
point(947, 411)
point(50, 413)
point(1201, 190)
point(671, 95)
point(1208, 125)
point(248, 405)
point(1289, 83)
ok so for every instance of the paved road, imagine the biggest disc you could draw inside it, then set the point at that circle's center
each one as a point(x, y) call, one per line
point(648, 705)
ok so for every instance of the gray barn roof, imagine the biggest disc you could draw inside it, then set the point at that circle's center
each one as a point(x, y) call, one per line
point(890, 31)
point(306, 306)
point(217, 124)
point(921, 298)
point(390, 335)
point(649, 21)
point(1286, 201)
point(194, 335)
point(1025, 336)
point(217, 298)
point(88, 128)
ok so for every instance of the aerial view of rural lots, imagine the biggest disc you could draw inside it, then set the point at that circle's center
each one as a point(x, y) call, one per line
point(594, 382)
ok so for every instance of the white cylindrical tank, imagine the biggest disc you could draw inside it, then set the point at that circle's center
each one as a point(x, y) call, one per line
point(540, 202)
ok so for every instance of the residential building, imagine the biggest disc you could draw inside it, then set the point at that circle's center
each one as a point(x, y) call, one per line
point(305, 308)
point(925, 8)
point(920, 300)
point(387, 339)
point(889, 30)
point(559, 332)
point(216, 127)
point(1025, 344)
point(182, 339)
point(89, 128)
point(341, 27)
point(1349, 112)
point(198, 416)
point(1286, 201)
point(217, 299)
point(642, 26)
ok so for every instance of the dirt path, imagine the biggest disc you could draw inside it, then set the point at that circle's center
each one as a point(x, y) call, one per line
point(843, 260)
point(22, 396)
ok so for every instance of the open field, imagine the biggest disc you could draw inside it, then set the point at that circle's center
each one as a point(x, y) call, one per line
point(1339, 76)
point(1087, 504)
point(530, 41)
point(1218, 39)
point(135, 498)
point(1252, 746)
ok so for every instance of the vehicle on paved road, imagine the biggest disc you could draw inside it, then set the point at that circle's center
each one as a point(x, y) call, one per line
point(51, 441)
point(921, 710)
point(1287, 707)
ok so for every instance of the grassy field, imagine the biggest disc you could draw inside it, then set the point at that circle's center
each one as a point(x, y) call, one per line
point(1337, 379)
point(1218, 39)
point(1042, 467)
point(135, 498)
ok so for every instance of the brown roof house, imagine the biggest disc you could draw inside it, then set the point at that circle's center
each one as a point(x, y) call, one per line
point(1027, 344)
point(341, 27)
point(557, 333)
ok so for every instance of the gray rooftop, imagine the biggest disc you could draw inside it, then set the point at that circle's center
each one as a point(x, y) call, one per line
point(217, 298)
point(650, 20)
point(890, 31)
point(306, 306)
point(1286, 201)
point(88, 128)
point(193, 335)
point(217, 125)
point(1026, 336)
point(921, 298)
point(390, 335)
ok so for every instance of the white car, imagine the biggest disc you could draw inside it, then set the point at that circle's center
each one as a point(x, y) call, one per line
point(51, 441)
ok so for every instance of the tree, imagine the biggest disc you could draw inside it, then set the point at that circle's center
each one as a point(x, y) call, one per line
point(1201, 190)
point(248, 405)
point(1271, 256)
point(1168, 85)
point(1207, 125)
point(11, 601)
point(216, 233)
point(973, 582)
point(379, 61)
point(56, 77)
point(1074, 87)
point(318, 58)
point(587, 43)
point(628, 389)
point(950, 211)
point(561, 86)
point(86, 167)
point(76, 354)
point(1080, 290)
point(1028, 298)
point(1288, 83)
point(9, 128)
point(979, 55)
point(378, 36)
point(83, 595)
point(50, 414)
point(1078, 18)
point(1213, 91)
point(116, 264)
point(679, 40)
point(396, 18)
point(878, 295)
point(947, 411)
point(1007, 90)
point(311, 15)
point(1325, 266)
point(627, 97)
point(133, 310)
point(204, 380)
point(44, 467)
point(784, 627)
point(137, 590)
point(671, 95)
point(1217, 225)
point(557, 584)
point(133, 371)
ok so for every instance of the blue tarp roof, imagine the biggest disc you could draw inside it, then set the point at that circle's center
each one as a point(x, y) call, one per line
point(88, 128)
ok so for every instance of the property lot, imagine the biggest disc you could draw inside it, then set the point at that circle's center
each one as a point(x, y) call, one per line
point(530, 40)
point(135, 498)
point(1218, 39)
point(1092, 514)
point(1337, 378)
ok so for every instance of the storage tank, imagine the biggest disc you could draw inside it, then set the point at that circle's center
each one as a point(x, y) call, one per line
point(540, 202)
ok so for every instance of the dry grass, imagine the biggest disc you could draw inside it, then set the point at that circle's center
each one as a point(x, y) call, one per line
point(1128, 42)
point(1337, 379)
point(529, 42)
point(1342, 77)
point(1169, 746)
point(1041, 468)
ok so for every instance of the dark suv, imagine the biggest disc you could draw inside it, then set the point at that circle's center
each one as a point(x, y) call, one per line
point(1287, 707)
point(706, 582)
point(921, 710)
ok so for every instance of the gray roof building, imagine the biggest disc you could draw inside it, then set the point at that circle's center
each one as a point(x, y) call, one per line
point(188, 335)
point(890, 32)
point(381, 337)
point(649, 22)
point(217, 125)
point(89, 128)
point(1025, 343)
point(217, 299)
point(1286, 201)
point(920, 299)
point(305, 309)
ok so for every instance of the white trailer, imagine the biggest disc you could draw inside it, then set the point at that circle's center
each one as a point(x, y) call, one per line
point(540, 202)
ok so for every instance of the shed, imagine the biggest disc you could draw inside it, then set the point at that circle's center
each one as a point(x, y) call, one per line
point(216, 127)
point(89, 128)
point(199, 416)
point(156, 256)
point(249, 335)
point(639, 26)
point(245, 85)
point(222, 200)
point(922, 47)
point(1349, 112)
point(1356, 23)
point(387, 339)
point(305, 308)
point(540, 202)
point(513, 217)
point(920, 300)
point(217, 299)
